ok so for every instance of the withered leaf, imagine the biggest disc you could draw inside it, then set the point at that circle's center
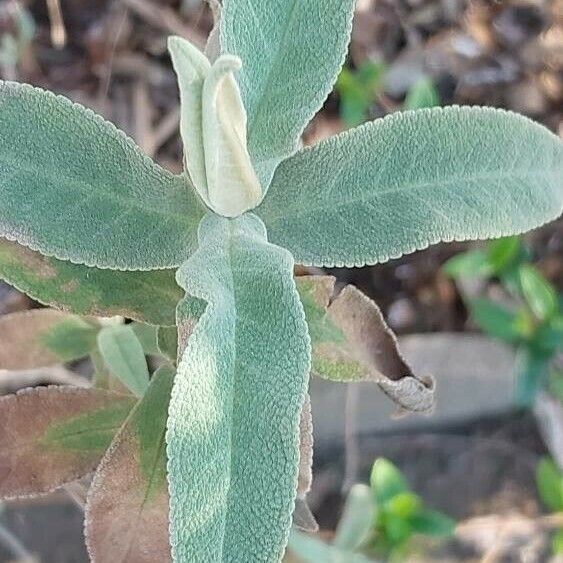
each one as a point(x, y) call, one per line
point(50, 436)
point(352, 342)
point(127, 508)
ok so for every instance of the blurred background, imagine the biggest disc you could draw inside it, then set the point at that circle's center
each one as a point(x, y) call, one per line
point(485, 319)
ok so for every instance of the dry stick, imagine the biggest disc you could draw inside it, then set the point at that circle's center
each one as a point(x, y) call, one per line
point(58, 31)
point(351, 446)
point(14, 545)
point(142, 112)
point(165, 19)
point(78, 492)
point(166, 128)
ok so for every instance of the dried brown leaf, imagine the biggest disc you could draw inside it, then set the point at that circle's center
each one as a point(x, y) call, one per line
point(50, 436)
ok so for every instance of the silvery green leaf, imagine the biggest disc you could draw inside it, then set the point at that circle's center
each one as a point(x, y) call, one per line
point(74, 187)
point(291, 54)
point(149, 297)
point(357, 520)
point(124, 356)
point(233, 427)
point(413, 179)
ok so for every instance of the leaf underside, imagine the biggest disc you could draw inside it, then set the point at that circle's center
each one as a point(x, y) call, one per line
point(50, 436)
point(291, 54)
point(412, 179)
point(149, 297)
point(351, 342)
point(127, 508)
point(233, 427)
point(74, 187)
point(43, 337)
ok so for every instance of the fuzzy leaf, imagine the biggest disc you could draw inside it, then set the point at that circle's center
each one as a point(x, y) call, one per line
point(127, 508)
point(50, 436)
point(237, 396)
point(291, 54)
point(351, 342)
point(149, 297)
point(124, 356)
point(44, 337)
point(74, 187)
point(357, 518)
point(413, 179)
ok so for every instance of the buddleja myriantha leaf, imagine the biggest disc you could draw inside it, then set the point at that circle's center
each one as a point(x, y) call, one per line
point(233, 427)
point(150, 297)
point(291, 52)
point(74, 187)
point(413, 179)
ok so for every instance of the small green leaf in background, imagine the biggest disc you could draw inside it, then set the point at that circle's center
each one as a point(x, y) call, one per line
point(356, 522)
point(123, 354)
point(358, 90)
point(549, 482)
point(432, 523)
point(502, 253)
point(557, 543)
point(404, 505)
point(422, 94)
point(495, 319)
point(531, 376)
point(386, 481)
point(167, 342)
point(147, 336)
point(540, 295)
point(474, 263)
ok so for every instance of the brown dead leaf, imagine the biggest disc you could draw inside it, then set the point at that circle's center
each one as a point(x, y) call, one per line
point(50, 436)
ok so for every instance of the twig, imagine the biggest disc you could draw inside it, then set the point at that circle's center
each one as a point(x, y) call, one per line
point(351, 446)
point(142, 111)
point(58, 30)
point(15, 546)
point(78, 492)
point(166, 128)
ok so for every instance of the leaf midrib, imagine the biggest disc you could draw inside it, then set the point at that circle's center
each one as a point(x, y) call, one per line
point(356, 198)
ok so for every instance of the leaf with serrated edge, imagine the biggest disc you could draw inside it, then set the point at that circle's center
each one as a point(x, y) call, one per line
point(233, 427)
point(50, 436)
point(149, 297)
point(127, 507)
point(291, 54)
point(302, 516)
point(74, 187)
point(124, 356)
point(413, 179)
point(43, 337)
point(351, 342)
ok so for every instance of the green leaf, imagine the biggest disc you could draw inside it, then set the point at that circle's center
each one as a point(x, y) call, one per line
point(404, 505)
point(124, 356)
point(356, 522)
point(386, 481)
point(422, 94)
point(502, 253)
point(432, 523)
point(50, 436)
point(233, 427)
point(309, 549)
point(495, 320)
point(470, 264)
point(549, 481)
point(127, 509)
point(291, 54)
point(167, 342)
point(150, 297)
point(557, 543)
point(74, 187)
point(540, 295)
point(148, 337)
point(412, 179)
point(351, 342)
point(44, 337)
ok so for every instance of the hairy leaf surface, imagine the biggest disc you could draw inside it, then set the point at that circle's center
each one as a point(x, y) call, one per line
point(44, 337)
point(74, 187)
point(291, 53)
point(127, 508)
point(233, 428)
point(413, 179)
point(352, 342)
point(50, 436)
point(150, 297)
point(124, 356)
